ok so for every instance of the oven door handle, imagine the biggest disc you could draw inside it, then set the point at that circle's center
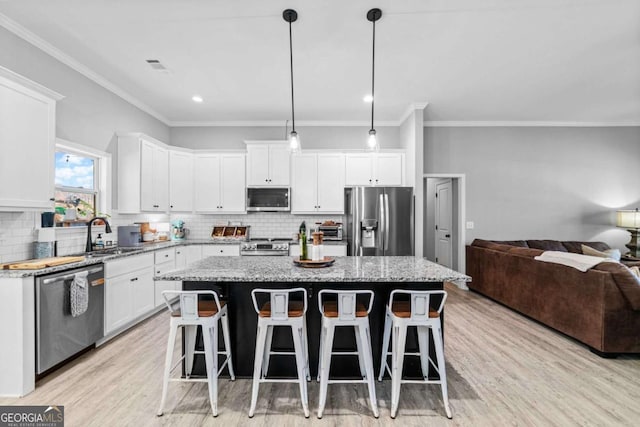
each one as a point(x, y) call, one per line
point(68, 276)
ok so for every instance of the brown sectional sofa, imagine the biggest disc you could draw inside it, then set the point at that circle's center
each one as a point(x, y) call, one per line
point(600, 308)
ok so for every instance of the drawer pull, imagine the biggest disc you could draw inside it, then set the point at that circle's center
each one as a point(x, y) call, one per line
point(134, 279)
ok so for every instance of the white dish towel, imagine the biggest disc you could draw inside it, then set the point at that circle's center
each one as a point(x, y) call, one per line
point(79, 294)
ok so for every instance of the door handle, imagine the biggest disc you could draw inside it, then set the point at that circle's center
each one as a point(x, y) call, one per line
point(381, 227)
point(386, 225)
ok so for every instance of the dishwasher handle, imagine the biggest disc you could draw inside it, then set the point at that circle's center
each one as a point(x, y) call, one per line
point(68, 276)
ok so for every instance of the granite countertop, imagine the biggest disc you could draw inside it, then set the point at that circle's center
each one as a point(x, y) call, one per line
point(90, 260)
point(324, 242)
point(345, 269)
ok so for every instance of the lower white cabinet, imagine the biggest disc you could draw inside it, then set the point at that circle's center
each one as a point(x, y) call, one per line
point(129, 290)
point(327, 250)
point(186, 255)
point(220, 250)
point(165, 261)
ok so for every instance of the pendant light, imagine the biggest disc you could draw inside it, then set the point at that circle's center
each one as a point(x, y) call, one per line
point(373, 15)
point(290, 16)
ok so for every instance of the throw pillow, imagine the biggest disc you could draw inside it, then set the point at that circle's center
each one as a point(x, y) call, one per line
point(609, 253)
point(635, 270)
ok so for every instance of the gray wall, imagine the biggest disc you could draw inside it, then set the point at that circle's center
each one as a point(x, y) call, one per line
point(89, 114)
point(311, 137)
point(536, 183)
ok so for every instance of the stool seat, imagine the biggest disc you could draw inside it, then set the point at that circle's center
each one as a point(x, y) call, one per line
point(403, 309)
point(296, 309)
point(330, 309)
point(205, 309)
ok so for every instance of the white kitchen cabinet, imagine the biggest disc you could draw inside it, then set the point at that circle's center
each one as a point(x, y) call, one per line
point(220, 250)
point(186, 255)
point(129, 290)
point(27, 143)
point(165, 261)
point(219, 183)
point(318, 183)
point(327, 250)
point(143, 174)
point(268, 163)
point(180, 181)
point(374, 169)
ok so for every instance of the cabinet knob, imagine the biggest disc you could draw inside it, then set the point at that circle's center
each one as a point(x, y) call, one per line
point(369, 180)
point(53, 199)
point(134, 279)
point(171, 206)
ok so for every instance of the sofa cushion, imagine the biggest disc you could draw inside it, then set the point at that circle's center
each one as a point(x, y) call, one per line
point(487, 244)
point(518, 243)
point(609, 253)
point(547, 245)
point(526, 252)
point(628, 283)
point(576, 247)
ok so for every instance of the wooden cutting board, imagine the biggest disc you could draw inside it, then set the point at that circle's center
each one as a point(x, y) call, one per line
point(36, 264)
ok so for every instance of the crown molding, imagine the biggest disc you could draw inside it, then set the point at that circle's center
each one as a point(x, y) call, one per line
point(17, 78)
point(53, 51)
point(278, 123)
point(532, 123)
point(412, 107)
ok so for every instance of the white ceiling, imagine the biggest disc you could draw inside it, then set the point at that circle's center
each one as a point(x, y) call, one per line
point(566, 61)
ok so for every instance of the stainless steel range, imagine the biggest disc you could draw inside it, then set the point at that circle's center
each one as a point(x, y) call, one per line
point(265, 247)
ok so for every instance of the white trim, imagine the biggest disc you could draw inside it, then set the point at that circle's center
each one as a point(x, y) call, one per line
point(280, 123)
point(412, 107)
point(507, 123)
point(462, 213)
point(102, 171)
point(30, 84)
point(48, 48)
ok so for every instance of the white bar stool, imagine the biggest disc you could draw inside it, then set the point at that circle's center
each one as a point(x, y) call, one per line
point(345, 312)
point(280, 311)
point(194, 313)
point(399, 316)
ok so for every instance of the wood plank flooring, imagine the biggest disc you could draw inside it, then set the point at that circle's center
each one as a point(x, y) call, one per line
point(503, 370)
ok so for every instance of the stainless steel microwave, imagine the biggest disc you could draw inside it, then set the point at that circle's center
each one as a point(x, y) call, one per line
point(268, 199)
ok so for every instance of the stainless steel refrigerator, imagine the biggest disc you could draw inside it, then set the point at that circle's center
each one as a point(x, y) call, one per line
point(379, 220)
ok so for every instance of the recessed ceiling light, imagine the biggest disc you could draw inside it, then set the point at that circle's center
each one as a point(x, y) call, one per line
point(368, 98)
point(197, 98)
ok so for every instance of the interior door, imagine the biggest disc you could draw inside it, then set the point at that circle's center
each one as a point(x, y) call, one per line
point(444, 223)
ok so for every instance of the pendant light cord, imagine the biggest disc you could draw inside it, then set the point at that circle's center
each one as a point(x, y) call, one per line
point(293, 115)
point(373, 72)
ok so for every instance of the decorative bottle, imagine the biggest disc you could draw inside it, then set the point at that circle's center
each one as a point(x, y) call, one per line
point(303, 242)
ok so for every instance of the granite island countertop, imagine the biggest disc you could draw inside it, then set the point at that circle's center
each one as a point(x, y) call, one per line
point(345, 269)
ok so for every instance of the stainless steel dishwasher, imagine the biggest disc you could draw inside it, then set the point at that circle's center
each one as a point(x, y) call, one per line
point(59, 335)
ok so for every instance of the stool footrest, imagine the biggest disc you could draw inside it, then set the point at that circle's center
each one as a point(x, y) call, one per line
point(362, 381)
point(281, 353)
point(279, 380)
point(344, 353)
point(188, 380)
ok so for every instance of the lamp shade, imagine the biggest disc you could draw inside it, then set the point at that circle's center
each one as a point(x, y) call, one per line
point(628, 219)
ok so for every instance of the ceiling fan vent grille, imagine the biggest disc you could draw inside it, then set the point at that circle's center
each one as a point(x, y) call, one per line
point(156, 65)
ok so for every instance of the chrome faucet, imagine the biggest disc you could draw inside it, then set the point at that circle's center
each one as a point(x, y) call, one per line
point(107, 229)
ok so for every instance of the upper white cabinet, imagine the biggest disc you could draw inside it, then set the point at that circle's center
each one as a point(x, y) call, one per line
point(143, 174)
point(374, 169)
point(180, 181)
point(27, 143)
point(318, 183)
point(268, 163)
point(219, 183)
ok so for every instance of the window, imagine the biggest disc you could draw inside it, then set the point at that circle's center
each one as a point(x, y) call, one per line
point(80, 182)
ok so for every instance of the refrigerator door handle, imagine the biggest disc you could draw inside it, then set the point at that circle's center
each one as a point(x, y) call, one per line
point(386, 222)
point(381, 226)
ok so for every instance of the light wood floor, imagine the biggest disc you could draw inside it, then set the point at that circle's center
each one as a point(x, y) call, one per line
point(503, 369)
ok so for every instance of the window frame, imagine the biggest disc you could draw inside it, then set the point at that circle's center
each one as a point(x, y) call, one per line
point(101, 166)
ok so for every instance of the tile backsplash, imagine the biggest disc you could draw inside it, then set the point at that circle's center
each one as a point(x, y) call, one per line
point(18, 229)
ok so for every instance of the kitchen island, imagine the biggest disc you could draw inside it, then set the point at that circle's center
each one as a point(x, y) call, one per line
point(235, 277)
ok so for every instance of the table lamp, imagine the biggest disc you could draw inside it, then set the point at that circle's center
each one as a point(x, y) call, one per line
point(630, 219)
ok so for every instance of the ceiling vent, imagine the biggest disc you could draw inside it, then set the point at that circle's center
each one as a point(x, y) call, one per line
point(157, 65)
